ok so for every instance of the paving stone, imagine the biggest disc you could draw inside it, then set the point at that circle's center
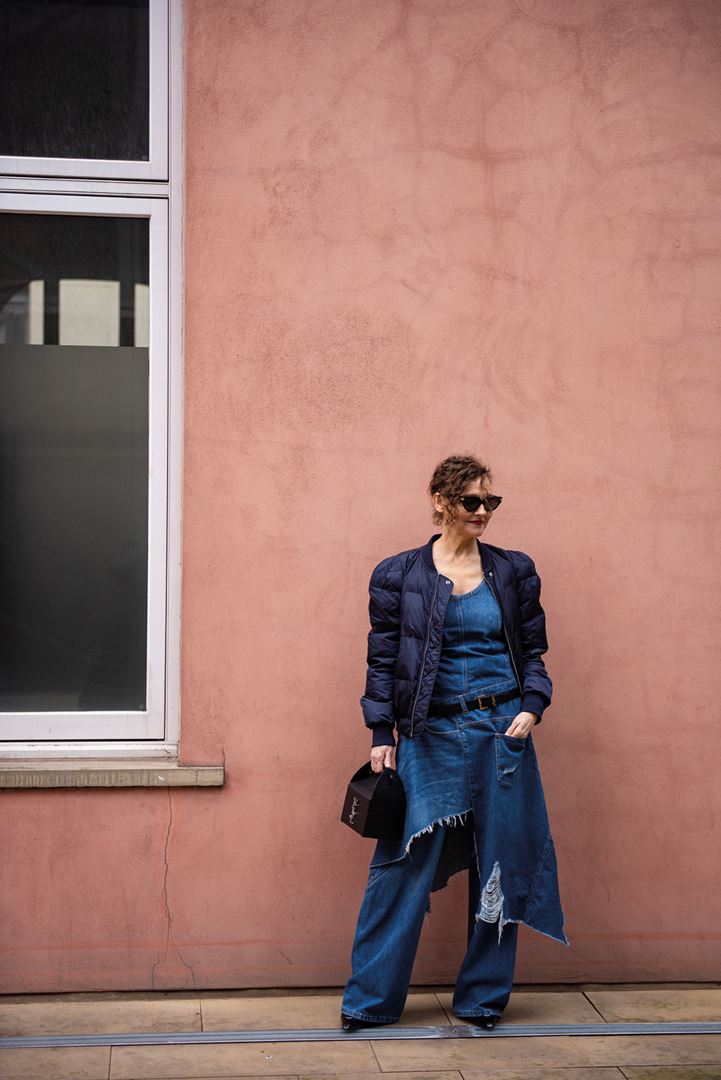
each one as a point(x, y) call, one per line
point(56, 1063)
point(259, 1013)
point(603, 1072)
point(241, 1059)
point(423, 1010)
point(674, 1072)
point(530, 1007)
point(628, 1006)
point(559, 1051)
point(98, 1017)
point(292, 1011)
point(385, 1076)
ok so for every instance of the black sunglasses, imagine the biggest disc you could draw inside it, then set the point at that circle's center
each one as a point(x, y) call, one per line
point(472, 502)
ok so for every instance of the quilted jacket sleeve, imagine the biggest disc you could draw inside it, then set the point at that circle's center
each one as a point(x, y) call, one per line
point(384, 609)
point(537, 685)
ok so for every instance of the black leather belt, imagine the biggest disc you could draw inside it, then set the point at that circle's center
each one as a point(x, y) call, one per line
point(482, 701)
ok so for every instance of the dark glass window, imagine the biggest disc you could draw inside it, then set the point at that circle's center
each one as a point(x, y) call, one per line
point(74, 79)
point(74, 305)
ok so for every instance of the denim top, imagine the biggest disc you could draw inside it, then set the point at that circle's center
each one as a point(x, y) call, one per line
point(474, 654)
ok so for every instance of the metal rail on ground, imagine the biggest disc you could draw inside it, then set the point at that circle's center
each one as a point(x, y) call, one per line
point(390, 1031)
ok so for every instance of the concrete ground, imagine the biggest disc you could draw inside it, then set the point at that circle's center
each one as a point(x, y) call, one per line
point(488, 1056)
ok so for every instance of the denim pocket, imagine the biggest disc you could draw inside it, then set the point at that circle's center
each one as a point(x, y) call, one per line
point(509, 756)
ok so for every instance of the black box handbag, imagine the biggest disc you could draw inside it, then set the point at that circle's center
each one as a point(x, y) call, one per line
point(375, 803)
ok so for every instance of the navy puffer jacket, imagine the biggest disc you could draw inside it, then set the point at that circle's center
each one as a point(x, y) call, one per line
point(407, 608)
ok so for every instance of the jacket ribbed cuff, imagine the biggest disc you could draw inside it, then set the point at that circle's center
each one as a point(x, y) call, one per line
point(533, 702)
point(383, 735)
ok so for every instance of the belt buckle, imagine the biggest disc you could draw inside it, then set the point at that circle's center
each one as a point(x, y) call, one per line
point(480, 700)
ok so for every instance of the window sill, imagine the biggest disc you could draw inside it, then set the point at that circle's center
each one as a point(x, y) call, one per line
point(86, 773)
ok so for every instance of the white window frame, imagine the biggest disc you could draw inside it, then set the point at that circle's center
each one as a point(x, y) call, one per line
point(154, 169)
point(155, 732)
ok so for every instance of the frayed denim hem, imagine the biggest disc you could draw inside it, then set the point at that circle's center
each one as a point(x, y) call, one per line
point(470, 1016)
point(367, 1016)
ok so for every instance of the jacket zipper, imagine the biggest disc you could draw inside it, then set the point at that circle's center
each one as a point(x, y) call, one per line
point(508, 640)
point(425, 652)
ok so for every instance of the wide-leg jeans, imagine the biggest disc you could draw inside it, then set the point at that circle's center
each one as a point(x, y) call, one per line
point(388, 932)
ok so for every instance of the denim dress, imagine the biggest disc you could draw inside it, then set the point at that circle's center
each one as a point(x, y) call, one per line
point(465, 771)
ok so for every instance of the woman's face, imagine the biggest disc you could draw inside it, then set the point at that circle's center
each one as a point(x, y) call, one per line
point(467, 523)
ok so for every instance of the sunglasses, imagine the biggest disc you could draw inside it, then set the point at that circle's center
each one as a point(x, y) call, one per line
point(472, 502)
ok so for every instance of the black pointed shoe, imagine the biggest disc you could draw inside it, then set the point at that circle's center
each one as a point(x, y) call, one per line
point(487, 1022)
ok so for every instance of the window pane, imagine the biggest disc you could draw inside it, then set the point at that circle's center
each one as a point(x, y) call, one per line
point(73, 462)
point(74, 79)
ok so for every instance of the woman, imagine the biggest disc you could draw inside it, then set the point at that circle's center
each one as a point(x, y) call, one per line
point(455, 663)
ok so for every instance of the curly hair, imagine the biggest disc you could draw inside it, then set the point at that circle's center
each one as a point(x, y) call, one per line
point(450, 477)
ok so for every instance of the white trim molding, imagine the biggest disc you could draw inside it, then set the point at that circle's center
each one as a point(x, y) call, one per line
point(155, 192)
point(160, 15)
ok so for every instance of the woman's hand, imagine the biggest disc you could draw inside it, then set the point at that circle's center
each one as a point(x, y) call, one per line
point(383, 757)
point(522, 724)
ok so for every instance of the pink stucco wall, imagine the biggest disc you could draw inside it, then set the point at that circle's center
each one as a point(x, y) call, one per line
point(414, 229)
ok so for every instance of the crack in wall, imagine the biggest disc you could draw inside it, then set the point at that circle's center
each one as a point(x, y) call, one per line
point(166, 905)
